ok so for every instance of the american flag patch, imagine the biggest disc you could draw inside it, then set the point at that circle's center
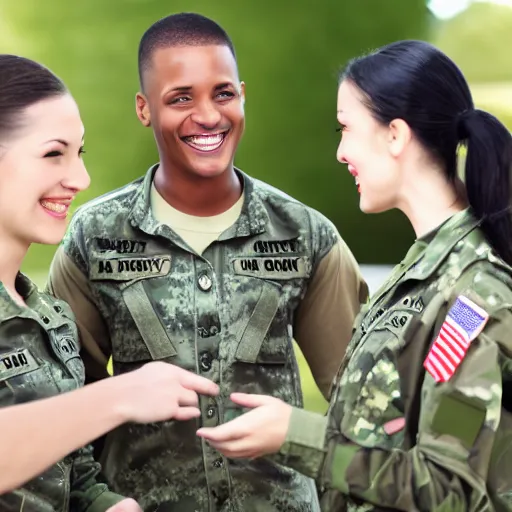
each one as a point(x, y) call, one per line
point(465, 321)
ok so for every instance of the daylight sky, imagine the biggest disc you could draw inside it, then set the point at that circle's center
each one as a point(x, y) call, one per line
point(448, 8)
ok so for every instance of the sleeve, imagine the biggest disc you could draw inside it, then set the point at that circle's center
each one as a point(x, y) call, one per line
point(67, 282)
point(324, 319)
point(448, 467)
point(87, 494)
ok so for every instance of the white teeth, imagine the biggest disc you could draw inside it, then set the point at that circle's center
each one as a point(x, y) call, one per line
point(205, 142)
point(54, 207)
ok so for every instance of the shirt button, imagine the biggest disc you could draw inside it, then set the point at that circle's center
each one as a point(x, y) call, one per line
point(210, 412)
point(204, 282)
point(205, 361)
point(218, 463)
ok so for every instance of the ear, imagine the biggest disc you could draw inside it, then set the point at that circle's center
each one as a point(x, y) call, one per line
point(142, 109)
point(242, 92)
point(399, 137)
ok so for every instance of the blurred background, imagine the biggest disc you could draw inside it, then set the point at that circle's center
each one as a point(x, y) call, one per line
point(289, 55)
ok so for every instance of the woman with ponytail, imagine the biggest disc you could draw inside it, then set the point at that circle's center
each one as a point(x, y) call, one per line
point(420, 416)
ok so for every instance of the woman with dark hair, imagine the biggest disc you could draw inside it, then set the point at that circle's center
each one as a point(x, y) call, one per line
point(420, 416)
point(41, 171)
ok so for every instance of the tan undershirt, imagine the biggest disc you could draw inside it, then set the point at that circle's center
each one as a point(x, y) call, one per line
point(197, 232)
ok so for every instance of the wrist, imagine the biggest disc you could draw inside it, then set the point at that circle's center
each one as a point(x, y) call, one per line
point(116, 398)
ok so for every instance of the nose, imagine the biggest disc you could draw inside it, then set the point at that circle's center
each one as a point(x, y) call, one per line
point(78, 178)
point(206, 114)
point(340, 153)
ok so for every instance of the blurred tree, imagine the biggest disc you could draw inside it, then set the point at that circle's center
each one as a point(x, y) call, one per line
point(289, 55)
point(479, 40)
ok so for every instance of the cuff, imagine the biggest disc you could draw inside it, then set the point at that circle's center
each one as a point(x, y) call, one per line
point(304, 447)
point(104, 501)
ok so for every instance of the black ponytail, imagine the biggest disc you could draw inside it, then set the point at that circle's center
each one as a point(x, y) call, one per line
point(488, 176)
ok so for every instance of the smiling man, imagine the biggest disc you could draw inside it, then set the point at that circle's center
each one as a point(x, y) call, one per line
point(199, 265)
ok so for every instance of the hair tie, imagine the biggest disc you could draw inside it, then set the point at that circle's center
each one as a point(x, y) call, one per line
point(462, 122)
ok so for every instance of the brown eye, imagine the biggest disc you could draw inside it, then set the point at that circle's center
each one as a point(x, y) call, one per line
point(178, 100)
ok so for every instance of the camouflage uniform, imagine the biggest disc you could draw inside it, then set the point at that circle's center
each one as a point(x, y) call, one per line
point(140, 293)
point(39, 358)
point(454, 452)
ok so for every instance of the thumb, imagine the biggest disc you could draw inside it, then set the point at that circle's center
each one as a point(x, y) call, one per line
point(126, 505)
point(251, 401)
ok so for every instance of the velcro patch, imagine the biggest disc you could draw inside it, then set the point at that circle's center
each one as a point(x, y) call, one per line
point(120, 246)
point(460, 417)
point(17, 363)
point(275, 246)
point(276, 267)
point(125, 269)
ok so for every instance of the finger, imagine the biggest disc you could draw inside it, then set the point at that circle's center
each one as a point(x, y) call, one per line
point(230, 431)
point(198, 384)
point(186, 397)
point(238, 449)
point(250, 400)
point(187, 413)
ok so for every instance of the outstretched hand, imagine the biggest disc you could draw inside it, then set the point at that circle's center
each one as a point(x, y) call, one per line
point(254, 434)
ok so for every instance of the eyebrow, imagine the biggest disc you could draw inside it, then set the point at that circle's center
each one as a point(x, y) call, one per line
point(62, 141)
point(183, 88)
point(223, 85)
point(187, 88)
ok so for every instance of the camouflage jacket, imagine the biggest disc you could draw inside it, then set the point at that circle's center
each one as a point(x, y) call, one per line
point(39, 358)
point(397, 437)
point(140, 293)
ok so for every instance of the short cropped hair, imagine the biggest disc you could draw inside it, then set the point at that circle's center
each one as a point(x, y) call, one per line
point(183, 29)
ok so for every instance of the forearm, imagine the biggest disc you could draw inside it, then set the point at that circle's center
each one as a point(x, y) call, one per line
point(417, 479)
point(38, 434)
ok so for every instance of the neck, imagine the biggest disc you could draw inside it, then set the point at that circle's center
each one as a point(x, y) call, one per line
point(196, 195)
point(427, 200)
point(11, 257)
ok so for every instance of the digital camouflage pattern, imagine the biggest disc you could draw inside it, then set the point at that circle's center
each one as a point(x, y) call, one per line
point(229, 314)
point(39, 358)
point(453, 452)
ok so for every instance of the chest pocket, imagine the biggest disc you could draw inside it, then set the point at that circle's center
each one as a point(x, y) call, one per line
point(257, 342)
point(129, 277)
point(271, 280)
point(46, 364)
point(25, 377)
point(371, 386)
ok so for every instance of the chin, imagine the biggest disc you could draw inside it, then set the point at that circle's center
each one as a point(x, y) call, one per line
point(49, 236)
point(369, 207)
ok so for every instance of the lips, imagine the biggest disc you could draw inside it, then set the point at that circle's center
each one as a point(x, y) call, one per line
point(206, 143)
point(352, 170)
